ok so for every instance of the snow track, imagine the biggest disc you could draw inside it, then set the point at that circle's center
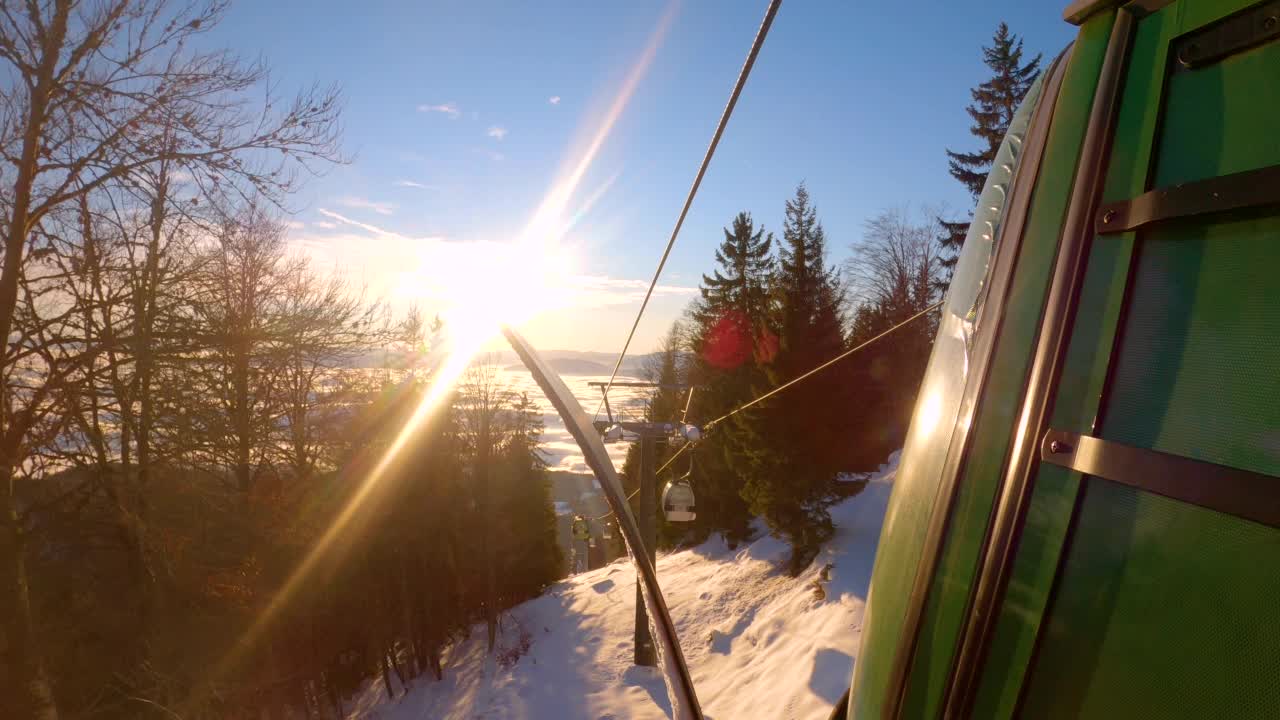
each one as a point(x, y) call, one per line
point(759, 643)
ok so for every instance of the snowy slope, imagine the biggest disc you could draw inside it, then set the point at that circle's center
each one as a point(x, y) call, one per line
point(759, 644)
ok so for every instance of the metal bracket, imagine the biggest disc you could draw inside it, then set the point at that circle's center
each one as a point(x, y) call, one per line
point(1253, 188)
point(1242, 493)
point(1081, 10)
point(1233, 34)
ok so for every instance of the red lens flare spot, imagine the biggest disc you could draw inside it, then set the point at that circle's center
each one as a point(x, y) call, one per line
point(732, 341)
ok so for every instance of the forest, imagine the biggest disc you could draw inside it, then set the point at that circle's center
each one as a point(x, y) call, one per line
point(189, 411)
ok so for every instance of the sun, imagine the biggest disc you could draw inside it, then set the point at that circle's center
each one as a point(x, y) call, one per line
point(478, 287)
point(503, 284)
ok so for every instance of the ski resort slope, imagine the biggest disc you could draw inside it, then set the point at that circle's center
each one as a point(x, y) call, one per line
point(759, 643)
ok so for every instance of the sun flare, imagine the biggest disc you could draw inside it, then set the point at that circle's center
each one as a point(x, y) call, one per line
point(488, 285)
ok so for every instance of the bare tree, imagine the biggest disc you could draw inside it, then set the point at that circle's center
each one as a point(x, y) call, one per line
point(327, 327)
point(241, 317)
point(897, 261)
point(99, 93)
point(894, 273)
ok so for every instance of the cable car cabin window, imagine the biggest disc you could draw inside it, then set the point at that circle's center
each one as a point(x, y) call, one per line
point(969, 285)
point(941, 408)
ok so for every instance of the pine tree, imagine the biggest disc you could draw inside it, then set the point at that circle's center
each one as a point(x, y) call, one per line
point(808, 290)
point(746, 265)
point(791, 445)
point(994, 103)
point(528, 556)
point(733, 339)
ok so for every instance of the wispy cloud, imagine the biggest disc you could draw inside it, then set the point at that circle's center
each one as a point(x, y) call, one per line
point(324, 224)
point(382, 208)
point(497, 131)
point(295, 225)
point(449, 108)
point(605, 290)
point(493, 155)
point(554, 99)
point(363, 226)
point(413, 184)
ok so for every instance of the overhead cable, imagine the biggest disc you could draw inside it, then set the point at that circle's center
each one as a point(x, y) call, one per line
point(697, 180)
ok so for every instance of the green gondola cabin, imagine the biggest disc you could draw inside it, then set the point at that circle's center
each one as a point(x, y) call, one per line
point(1086, 517)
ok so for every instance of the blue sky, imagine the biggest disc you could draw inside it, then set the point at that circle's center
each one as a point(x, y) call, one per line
point(460, 116)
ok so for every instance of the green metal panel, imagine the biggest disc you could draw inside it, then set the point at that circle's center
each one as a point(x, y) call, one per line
point(1200, 361)
point(948, 595)
point(1204, 317)
point(1055, 490)
point(1163, 609)
point(1167, 610)
point(1222, 119)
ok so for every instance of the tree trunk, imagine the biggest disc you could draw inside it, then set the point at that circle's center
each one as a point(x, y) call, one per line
point(410, 629)
point(483, 475)
point(25, 689)
point(394, 659)
point(334, 698)
point(386, 675)
point(242, 420)
point(146, 318)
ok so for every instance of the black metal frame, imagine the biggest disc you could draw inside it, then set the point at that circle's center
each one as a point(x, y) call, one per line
point(1242, 493)
point(1235, 33)
point(1249, 189)
point(1007, 520)
point(1080, 10)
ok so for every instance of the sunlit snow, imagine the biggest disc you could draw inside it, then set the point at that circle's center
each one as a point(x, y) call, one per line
point(759, 643)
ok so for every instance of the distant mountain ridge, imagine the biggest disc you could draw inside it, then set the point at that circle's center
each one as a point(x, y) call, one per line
point(631, 364)
point(565, 362)
point(571, 366)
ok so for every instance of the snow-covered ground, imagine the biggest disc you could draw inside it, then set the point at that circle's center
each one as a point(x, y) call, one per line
point(760, 644)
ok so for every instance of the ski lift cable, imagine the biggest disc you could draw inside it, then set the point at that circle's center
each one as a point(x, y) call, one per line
point(697, 180)
point(821, 367)
point(672, 459)
point(610, 513)
point(786, 385)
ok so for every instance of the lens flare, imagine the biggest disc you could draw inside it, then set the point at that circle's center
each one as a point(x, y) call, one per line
point(509, 286)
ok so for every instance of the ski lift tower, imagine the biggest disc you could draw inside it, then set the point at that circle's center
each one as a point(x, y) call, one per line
point(649, 433)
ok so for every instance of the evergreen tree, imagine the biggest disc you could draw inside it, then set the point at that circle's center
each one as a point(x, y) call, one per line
point(791, 445)
point(994, 103)
point(528, 556)
point(667, 368)
point(733, 339)
point(746, 265)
